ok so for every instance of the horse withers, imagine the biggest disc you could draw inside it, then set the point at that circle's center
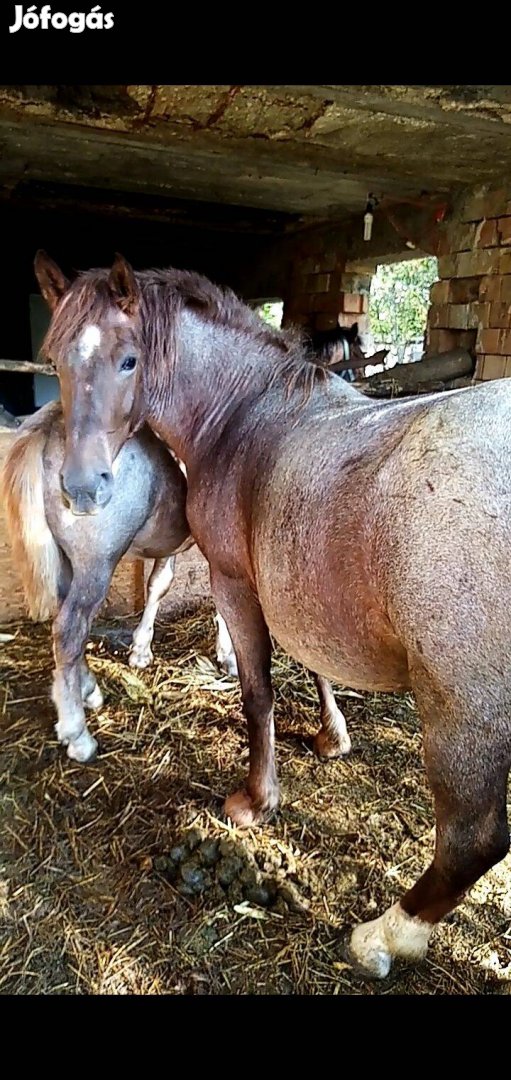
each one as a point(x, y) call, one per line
point(371, 539)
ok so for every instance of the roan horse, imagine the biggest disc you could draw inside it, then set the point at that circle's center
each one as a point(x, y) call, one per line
point(372, 540)
point(66, 561)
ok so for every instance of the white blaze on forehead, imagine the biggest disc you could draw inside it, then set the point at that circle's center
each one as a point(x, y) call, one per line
point(90, 340)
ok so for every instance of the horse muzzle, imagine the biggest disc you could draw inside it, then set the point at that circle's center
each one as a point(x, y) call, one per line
point(87, 495)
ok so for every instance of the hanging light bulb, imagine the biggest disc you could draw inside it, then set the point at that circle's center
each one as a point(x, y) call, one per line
point(369, 217)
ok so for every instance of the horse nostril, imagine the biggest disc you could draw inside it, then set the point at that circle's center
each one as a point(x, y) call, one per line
point(106, 477)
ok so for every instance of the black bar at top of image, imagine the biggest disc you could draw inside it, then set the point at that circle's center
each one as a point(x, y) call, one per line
point(155, 42)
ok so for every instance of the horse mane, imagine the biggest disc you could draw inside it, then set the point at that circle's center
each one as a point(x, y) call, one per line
point(163, 294)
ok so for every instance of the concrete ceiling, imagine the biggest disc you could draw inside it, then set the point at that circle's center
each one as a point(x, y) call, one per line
point(283, 155)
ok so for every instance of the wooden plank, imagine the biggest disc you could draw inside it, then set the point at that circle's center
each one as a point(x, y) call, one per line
point(28, 366)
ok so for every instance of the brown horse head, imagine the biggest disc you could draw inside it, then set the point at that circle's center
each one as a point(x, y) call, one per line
point(94, 342)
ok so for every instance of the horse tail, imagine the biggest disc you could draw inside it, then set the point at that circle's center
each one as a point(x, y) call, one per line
point(35, 551)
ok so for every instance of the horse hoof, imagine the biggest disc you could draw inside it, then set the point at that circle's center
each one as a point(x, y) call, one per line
point(326, 748)
point(374, 965)
point(241, 810)
point(140, 657)
point(94, 700)
point(83, 750)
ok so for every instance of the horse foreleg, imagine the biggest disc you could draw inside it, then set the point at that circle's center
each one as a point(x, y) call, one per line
point(252, 645)
point(72, 681)
point(332, 739)
point(91, 694)
point(158, 586)
point(467, 761)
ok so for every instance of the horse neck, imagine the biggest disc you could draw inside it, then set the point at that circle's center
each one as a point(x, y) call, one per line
point(218, 370)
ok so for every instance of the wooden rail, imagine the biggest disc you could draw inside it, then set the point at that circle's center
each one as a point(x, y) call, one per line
point(28, 366)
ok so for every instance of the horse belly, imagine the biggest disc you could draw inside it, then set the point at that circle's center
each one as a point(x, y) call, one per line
point(334, 632)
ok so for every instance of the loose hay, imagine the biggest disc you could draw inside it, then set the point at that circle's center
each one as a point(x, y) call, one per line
point(123, 877)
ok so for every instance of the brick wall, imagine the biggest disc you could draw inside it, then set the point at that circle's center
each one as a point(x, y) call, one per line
point(325, 289)
point(471, 303)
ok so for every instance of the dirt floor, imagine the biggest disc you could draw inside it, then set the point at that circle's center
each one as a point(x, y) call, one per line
point(123, 877)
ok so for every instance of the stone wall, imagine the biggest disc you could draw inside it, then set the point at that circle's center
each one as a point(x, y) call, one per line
point(471, 303)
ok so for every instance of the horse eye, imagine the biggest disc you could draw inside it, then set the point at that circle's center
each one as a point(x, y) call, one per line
point(129, 363)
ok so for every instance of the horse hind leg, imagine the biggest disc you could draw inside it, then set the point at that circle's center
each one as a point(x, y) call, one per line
point(332, 739)
point(225, 655)
point(467, 761)
point(158, 586)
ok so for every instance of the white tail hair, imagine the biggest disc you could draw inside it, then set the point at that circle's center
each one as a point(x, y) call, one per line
point(35, 552)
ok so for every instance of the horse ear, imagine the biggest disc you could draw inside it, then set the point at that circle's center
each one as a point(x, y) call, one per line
point(52, 282)
point(123, 285)
point(353, 332)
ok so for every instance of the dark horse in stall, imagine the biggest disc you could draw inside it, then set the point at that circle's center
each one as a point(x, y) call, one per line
point(372, 540)
point(334, 348)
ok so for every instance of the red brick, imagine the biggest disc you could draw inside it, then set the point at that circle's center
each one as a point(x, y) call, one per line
point(458, 316)
point(326, 302)
point(500, 315)
point(488, 341)
point(505, 261)
point(347, 319)
point(504, 227)
point(463, 290)
point(493, 367)
point(447, 266)
point(462, 237)
point(483, 261)
point(505, 288)
point(494, 341)
point(439, 292)
point(479, 315)
point(486, 234)
point(505, 342)
point(325, 322)
point(467, 340)
point(318, 283)
point(478, 373)
point(438, 316)
point(490, 287)
point(351, 303)
point(443, 340)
